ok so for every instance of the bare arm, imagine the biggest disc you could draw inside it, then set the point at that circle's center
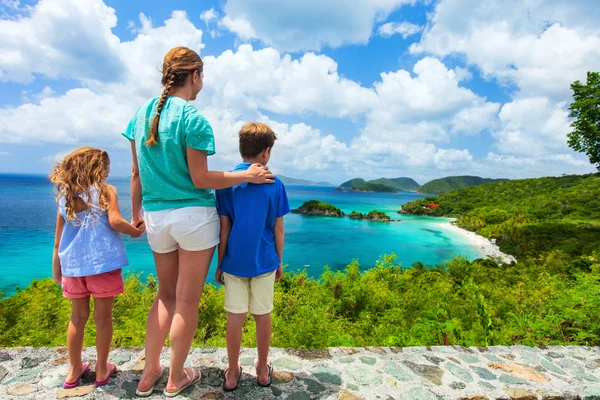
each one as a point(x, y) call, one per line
point(116, 221)
point(203, 178)
point(136, 189)
point(279, 241)
point(56, 271)
point(225, 230)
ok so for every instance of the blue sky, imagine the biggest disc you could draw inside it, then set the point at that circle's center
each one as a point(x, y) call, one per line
point(390, 88)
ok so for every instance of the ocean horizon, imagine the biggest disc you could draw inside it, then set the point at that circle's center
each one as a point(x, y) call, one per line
point(28, 215)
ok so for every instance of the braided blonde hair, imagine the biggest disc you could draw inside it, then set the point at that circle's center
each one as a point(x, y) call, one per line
point(178, 64)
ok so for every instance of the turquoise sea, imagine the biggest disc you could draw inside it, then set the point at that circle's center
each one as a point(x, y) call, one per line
point(28, 212)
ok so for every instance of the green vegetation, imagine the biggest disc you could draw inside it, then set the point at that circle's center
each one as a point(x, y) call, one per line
point(484, 302)
point(550, 297)
point(316, 207)
point(586, 111)
point(374, 187)
point(380, 185)
point(404, 184)
point(371, 216)
point(450, 183)
point(377, 216)
point(352, 183)
point(528, 217)
point(293, 181)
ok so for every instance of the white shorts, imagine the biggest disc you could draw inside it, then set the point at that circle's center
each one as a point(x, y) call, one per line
point(188, 228)
point(249, 294)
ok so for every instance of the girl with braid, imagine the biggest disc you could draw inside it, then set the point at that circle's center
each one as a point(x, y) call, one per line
point(171, 183)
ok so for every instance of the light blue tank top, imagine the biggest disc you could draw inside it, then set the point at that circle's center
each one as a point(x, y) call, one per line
point(92, 247)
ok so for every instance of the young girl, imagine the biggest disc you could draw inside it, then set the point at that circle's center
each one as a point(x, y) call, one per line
point(89, 254)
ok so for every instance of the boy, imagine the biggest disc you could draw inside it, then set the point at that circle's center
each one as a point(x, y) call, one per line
point(250, 253)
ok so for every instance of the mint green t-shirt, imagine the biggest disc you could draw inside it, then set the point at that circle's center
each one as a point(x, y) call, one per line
point(164, 173)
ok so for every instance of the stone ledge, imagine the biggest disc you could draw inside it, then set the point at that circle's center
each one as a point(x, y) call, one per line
point(414, 373)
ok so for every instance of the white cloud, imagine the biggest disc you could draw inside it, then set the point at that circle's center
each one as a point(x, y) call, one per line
point(40, 44)
point(427, 107)
point(264, 79)
point(405, 29)
point(540, 46)
point(406, 120)
point(56, 158)
point(240, 26)
point(308, 24)
point(208, 16)
point(533, 126)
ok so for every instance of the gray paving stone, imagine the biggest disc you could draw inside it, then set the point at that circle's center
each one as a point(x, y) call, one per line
point(364, 376)
point(23, 376)
point(367, 360)
point(505, 378)
point(397, 372)
point(469, 359)
point(287, 363)
point(484, 373)
point(459, 372)
point(432, 373)
point(418, 393)
point(328, 375)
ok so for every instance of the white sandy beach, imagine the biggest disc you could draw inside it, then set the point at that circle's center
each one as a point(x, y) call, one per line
point(484, 244)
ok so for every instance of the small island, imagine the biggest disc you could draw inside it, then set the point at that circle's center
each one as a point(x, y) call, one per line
point(316, 207)
point(374, 215)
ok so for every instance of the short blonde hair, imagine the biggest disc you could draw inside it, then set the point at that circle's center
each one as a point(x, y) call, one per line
point(255, 137)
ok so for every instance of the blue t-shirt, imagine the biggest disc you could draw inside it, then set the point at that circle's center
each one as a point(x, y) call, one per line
point(253, 210)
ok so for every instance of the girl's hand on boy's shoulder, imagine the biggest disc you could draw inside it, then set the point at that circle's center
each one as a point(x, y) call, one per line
point(219, 276)
point(278, 273)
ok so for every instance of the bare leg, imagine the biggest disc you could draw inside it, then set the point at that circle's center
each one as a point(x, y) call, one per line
point(104, 329)
point(80, 312)
point(263, 341)
point(193, 267)
point(235, 322)
point(160, 316)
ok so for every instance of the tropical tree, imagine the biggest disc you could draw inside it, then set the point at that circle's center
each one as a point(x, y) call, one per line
point(586, 110)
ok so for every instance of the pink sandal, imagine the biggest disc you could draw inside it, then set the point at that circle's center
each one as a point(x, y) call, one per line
point(113, 370)
point(86, 369)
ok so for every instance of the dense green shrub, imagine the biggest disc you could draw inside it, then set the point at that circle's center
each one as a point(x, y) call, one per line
point(528, 217)
point(546, 301)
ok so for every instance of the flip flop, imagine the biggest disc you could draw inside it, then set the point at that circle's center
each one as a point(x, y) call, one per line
point(225, 388)
point(105, 382)
point(86, 369)
point(270, 378)
point(148, 392)
point(187, 385)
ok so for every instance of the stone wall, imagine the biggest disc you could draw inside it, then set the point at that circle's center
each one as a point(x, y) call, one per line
point(418, 373)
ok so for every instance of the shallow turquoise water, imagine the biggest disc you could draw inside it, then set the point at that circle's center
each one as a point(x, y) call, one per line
point(28, 210)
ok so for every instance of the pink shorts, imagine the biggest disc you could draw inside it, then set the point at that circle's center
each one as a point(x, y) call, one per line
point(103, 285)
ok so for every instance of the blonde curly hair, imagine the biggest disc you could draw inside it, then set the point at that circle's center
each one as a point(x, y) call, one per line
point(80, 172)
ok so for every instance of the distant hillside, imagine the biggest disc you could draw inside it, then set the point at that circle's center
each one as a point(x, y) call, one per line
point(384, 185)
point(374, 188)
point(528, 217)
point(404, 184)
point(352, 183)
point(450, 183)
point(293, 181)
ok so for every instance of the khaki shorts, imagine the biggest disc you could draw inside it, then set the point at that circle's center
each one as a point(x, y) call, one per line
point(249, 294)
